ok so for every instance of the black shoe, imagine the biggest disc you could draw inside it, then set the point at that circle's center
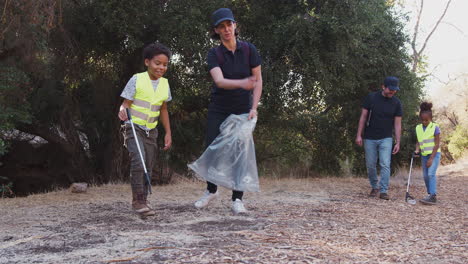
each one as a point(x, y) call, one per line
point(384, 196)
point(429, 200)
point(374, 193)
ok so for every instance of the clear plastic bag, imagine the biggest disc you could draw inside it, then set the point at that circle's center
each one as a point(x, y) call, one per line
point(230, 159)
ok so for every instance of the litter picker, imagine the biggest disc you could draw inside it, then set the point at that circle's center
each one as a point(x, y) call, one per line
point(148, 182)
point(408, 198)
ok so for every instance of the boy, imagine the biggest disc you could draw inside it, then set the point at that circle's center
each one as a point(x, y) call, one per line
point(146, 95)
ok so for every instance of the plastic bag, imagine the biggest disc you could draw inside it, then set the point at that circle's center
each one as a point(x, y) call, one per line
point(230, 159)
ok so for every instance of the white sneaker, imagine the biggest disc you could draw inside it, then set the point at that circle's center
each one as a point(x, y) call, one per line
point(238, 207)
point(205, 199)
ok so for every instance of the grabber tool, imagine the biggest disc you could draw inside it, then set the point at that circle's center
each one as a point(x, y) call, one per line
point(148, 182)
point(408, 198)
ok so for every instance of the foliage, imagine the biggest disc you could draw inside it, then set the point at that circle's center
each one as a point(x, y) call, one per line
point(320, 59)
point(14, 107)
point(5, 187)
point(458, 144)
point(3, 147)
point(450, 108)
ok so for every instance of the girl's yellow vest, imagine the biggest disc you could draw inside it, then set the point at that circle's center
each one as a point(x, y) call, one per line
point(426, 138)
point(147, 103)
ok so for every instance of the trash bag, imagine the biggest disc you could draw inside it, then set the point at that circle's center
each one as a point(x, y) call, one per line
point(230, 159)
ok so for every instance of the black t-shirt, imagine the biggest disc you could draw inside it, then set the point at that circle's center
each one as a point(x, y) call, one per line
point(382, 111)
point(235, 66)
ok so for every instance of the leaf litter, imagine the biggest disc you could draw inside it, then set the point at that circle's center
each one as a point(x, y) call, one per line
point(320, 220)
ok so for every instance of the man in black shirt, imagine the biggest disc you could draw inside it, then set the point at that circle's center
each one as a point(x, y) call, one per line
point(380, 115)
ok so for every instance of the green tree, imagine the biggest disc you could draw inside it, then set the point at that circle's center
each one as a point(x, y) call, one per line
point(320, 58)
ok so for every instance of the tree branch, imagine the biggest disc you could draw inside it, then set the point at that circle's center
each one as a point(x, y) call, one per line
point(416, 28)
point(48, 135)
point(456, 28)
point(4, 11)
point(415, 36)
point(434, 29)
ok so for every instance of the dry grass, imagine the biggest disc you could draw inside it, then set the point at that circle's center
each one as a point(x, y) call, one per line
point(328, 220)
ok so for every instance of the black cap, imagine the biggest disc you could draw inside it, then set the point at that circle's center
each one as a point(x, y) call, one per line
point(221, 15)
point(392, 83)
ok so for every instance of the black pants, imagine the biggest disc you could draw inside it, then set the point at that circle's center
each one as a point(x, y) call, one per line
point(212, 131)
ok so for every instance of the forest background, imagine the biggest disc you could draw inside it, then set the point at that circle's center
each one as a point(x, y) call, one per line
point(63, 64)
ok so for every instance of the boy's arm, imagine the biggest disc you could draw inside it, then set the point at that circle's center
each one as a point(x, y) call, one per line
point(122, 112)
point(164, 115)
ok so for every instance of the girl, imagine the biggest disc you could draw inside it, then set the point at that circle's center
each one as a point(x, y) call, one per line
point(235, 68)
point(428, 145)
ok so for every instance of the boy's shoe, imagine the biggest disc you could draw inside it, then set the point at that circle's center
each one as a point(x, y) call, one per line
point(139, 207)
point(139, 203)
point(151, 212)
point(429, 200)
point(205, 199)
point(238, 207)
point(384, 196)
point(374, 193)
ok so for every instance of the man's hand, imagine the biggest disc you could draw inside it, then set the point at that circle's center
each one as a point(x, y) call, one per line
point(359, 141)
point(416, 154)
point(167, 141)
point(396, 148)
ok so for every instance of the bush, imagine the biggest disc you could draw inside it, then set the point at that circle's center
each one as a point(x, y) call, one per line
point(5, 187)
point(458, 144)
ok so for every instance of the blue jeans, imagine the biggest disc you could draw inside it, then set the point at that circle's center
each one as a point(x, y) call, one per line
point(381, 149)
point(430, 173)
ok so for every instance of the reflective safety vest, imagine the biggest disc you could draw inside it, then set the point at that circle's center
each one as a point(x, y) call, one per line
point(147, 103)
point(426, 138)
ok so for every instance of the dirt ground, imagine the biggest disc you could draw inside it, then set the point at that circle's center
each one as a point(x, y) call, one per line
point(326, 220)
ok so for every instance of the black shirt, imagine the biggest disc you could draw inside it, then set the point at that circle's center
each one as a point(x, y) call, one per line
point(235, 66)
point(382, 111)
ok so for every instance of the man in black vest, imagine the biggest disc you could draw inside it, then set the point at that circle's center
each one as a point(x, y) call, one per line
point(380, 115)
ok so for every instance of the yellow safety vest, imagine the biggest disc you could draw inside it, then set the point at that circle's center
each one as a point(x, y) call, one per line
point(147, 103)
point(426, 138)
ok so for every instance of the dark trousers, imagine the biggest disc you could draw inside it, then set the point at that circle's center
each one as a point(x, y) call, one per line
point(212, 131)
point(148, 146)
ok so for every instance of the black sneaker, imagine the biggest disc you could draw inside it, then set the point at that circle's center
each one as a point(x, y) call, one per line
point(384, 196)
point(374, 193)
point(429, 200)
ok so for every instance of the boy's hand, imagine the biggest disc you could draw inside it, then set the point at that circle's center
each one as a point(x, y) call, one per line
point(167, 141)
point(416, 154)
point(123, 113)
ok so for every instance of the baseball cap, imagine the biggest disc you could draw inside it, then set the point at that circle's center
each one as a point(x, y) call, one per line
point(392, 83)
point(221, 15)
